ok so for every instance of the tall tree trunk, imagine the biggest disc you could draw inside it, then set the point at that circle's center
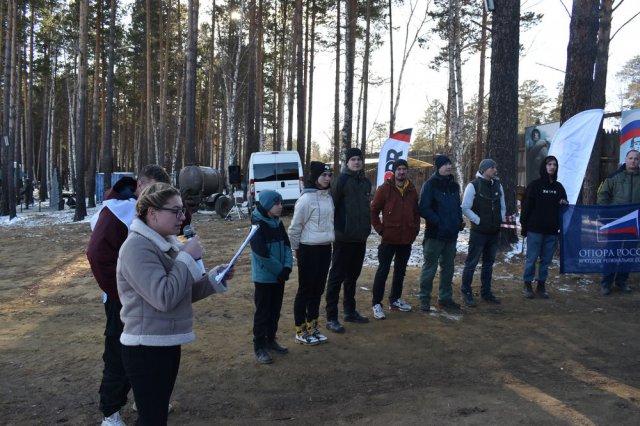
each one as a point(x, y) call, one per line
point(163, 59)
point(453, 23)
point(250, 124)
point(81, 207)
point(392, 119)
point(95, 115)
point(29, 151)
point(211, 89)
point(107, 147)
point(309, 84)
point(365, 77)
point(291, 64)
point(502, 135)
point(581, 57)
point(259, 127)
point(336, 94)
point(146, 150)
point(6, 145)
point(192, 56)
point(598, 100)
point(281, 85)
point(300, 90)
point(350, 55)
point(478, 151)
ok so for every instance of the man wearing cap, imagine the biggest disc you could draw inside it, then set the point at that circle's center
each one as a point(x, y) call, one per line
point(397, 200)
point(440, 207)
point(351, 197)
point(483, 203)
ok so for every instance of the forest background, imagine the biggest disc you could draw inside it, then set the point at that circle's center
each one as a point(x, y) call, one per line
point(104, 86)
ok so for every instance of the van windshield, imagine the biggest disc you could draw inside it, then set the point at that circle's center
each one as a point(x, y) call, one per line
point(272, 172)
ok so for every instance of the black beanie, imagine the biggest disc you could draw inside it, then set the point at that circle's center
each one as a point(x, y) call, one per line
point(353, 152)
point(441, 160)
point(316, 168)
point(399, 162)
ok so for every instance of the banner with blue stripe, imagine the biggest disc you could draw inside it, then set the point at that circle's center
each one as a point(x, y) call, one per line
point(600, 239)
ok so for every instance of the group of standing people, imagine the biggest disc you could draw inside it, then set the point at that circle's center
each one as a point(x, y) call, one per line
point(150, 279)
point(331, 223)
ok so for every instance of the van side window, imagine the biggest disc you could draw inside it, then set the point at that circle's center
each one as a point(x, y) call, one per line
point(264, 172)
point(287, 171)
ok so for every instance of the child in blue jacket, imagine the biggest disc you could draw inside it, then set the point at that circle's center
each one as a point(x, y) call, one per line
point(271, 262)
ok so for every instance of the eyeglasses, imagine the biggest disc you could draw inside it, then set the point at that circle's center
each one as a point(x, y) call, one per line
point(178, 211)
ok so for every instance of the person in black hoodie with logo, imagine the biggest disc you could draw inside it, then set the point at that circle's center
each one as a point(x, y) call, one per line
point(540, 222)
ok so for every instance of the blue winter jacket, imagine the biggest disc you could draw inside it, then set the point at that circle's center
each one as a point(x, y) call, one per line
point(440, 206)
point(271, 249)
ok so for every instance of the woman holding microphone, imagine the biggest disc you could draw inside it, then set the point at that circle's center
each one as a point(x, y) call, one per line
point(158, 280)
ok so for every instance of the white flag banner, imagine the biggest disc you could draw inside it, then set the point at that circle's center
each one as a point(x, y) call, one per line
point(394, 148)
point(572, 146)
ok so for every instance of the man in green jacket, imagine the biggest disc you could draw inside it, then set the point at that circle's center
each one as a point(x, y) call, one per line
point(621, 187)
point(351, 197)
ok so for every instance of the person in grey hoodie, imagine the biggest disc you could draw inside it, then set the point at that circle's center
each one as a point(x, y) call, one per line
point(158, 280)
point(311, 234)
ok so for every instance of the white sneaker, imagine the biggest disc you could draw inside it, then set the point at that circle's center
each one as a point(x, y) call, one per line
point(400, 305)
point(312, 329)
point(304, 338)
point(378, 313)
point(113, 420)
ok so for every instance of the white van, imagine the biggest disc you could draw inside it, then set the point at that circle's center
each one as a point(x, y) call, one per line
point(276, 170)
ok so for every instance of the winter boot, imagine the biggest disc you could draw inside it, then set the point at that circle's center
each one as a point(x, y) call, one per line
point(527, 291)
point(541, 290)
point(260, 349)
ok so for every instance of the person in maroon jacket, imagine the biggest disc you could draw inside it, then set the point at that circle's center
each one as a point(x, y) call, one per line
point(110, 228)
point(396, 200)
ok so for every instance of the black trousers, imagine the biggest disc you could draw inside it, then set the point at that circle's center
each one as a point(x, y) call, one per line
point(386, 253)
point(313, 268)
point(152, 371)
point(346, 265)
point(268, 301)
point(115, 385)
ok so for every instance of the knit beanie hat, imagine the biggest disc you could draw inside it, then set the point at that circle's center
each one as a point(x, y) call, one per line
point(316, 168)
point(399, 162)
point(441, 160)
point(353, 152)
point(485, 164)
point(268, 198)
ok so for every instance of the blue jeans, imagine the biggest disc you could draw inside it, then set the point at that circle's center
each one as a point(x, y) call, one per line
point(487, 246)
point(541, 246)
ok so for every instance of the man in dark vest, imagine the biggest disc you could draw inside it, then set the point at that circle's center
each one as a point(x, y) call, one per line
point(483, 203)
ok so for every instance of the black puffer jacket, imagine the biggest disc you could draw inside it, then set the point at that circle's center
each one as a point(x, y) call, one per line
point(541, 204)
point(351, 193)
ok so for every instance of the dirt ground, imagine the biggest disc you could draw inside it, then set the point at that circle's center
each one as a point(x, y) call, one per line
point(572, 359)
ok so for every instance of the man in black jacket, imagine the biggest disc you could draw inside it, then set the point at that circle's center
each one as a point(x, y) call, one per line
point(540, 221)
point(351, 197)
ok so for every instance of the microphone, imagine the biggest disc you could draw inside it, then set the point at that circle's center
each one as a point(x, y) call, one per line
point(190, 233)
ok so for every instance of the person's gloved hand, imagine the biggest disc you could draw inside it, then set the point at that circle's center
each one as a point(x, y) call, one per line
point(523, 232)
point(284, 274)
point(462, 225)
